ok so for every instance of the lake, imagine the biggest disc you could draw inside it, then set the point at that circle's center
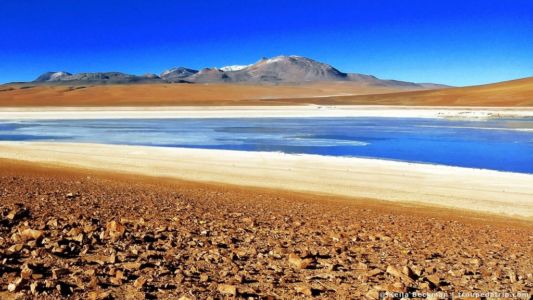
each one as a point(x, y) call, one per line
point(503, 144)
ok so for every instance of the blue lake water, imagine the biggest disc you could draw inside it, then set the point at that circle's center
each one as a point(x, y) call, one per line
point(505, 145)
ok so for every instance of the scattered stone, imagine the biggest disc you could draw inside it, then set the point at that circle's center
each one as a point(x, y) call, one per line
point(304, 289)
point(30, 234)
point(372, 294)
point(115, 230)
point(374, 272)
point(26, 272)
point(139, 282)
point(298, 262)
point(95, 295)
point(395, 272)
point(196, 244)
point(227, 289)
point(15, 285)
point(34, 288)
point(434, 279)
point(406, 270)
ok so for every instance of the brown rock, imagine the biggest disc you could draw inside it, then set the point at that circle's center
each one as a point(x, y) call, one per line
point(52, 223)
point(299, 263)
point(98, 259)
point(132, 294)
point(406, 270)
point(9, 296)
point(115, 230)
point(396, 273)
point(19, 213)
point(227, 289)
point(131, 266)
point(374, 272)
point(34, 288)
point(119, 276)
point(304, 289)
point(99, 295)
point(58, 273)
point(93, 282)
point(30, 234)
point(26, 272)
point(139, 282)
point(434, 279)
point(372, 294)
point(512, 276)
point(15, 285)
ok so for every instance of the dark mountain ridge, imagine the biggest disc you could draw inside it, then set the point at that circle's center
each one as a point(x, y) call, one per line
point(277, 70)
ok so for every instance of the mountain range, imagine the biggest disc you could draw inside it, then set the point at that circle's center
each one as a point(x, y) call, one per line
point(277, 70)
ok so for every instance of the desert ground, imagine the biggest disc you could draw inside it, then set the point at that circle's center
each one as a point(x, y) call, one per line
point(118, 222)
point(175, 94)
point(89, 234)
point(510, 93)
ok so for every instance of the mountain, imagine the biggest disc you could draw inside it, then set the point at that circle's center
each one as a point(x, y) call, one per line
point(277, 70)
point(95, 78)
point(52, 76)
point(210, 75)
point(287, 69)
point(177, 74)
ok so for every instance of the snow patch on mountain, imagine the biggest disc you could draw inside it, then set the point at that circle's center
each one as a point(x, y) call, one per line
point(234, 68)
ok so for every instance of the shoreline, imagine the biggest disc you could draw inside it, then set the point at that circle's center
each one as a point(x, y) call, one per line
point(282, 111)
point(477, 190)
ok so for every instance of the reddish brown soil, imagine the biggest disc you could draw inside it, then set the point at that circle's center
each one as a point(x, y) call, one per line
point(174, 94)
point(509, 93)
point(115, 236)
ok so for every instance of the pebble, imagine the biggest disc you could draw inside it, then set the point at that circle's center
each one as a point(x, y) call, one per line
point(150, 241)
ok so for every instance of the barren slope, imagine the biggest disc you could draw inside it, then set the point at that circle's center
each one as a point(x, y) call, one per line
point(174, 94)
point(510, 93)
point(101, 236)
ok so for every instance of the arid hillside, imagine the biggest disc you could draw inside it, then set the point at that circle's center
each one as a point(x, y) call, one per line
point(510, 93)
point(176, 94)
point(89, 235)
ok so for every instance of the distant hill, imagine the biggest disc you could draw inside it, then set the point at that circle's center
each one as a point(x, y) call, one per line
point(517, 93)
point(177, 74)
point(276, 70)
point(95, 78)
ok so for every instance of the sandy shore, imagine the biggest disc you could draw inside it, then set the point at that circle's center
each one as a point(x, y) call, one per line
point(294, 111)
point(485, 191)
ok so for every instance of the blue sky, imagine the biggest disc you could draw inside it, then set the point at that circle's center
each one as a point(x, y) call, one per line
point(452, 42)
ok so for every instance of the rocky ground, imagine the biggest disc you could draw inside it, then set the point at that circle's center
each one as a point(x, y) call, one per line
point(88, 235)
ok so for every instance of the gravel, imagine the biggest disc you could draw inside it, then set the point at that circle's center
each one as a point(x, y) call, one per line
point(88, 235)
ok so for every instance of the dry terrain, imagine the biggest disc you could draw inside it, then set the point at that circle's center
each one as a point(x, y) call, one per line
point(510, 93)
point(488, 191)
point(102, 236)
point(173, 94)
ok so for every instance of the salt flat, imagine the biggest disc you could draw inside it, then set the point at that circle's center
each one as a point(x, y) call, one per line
point(485, 191)
point(293, 111)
